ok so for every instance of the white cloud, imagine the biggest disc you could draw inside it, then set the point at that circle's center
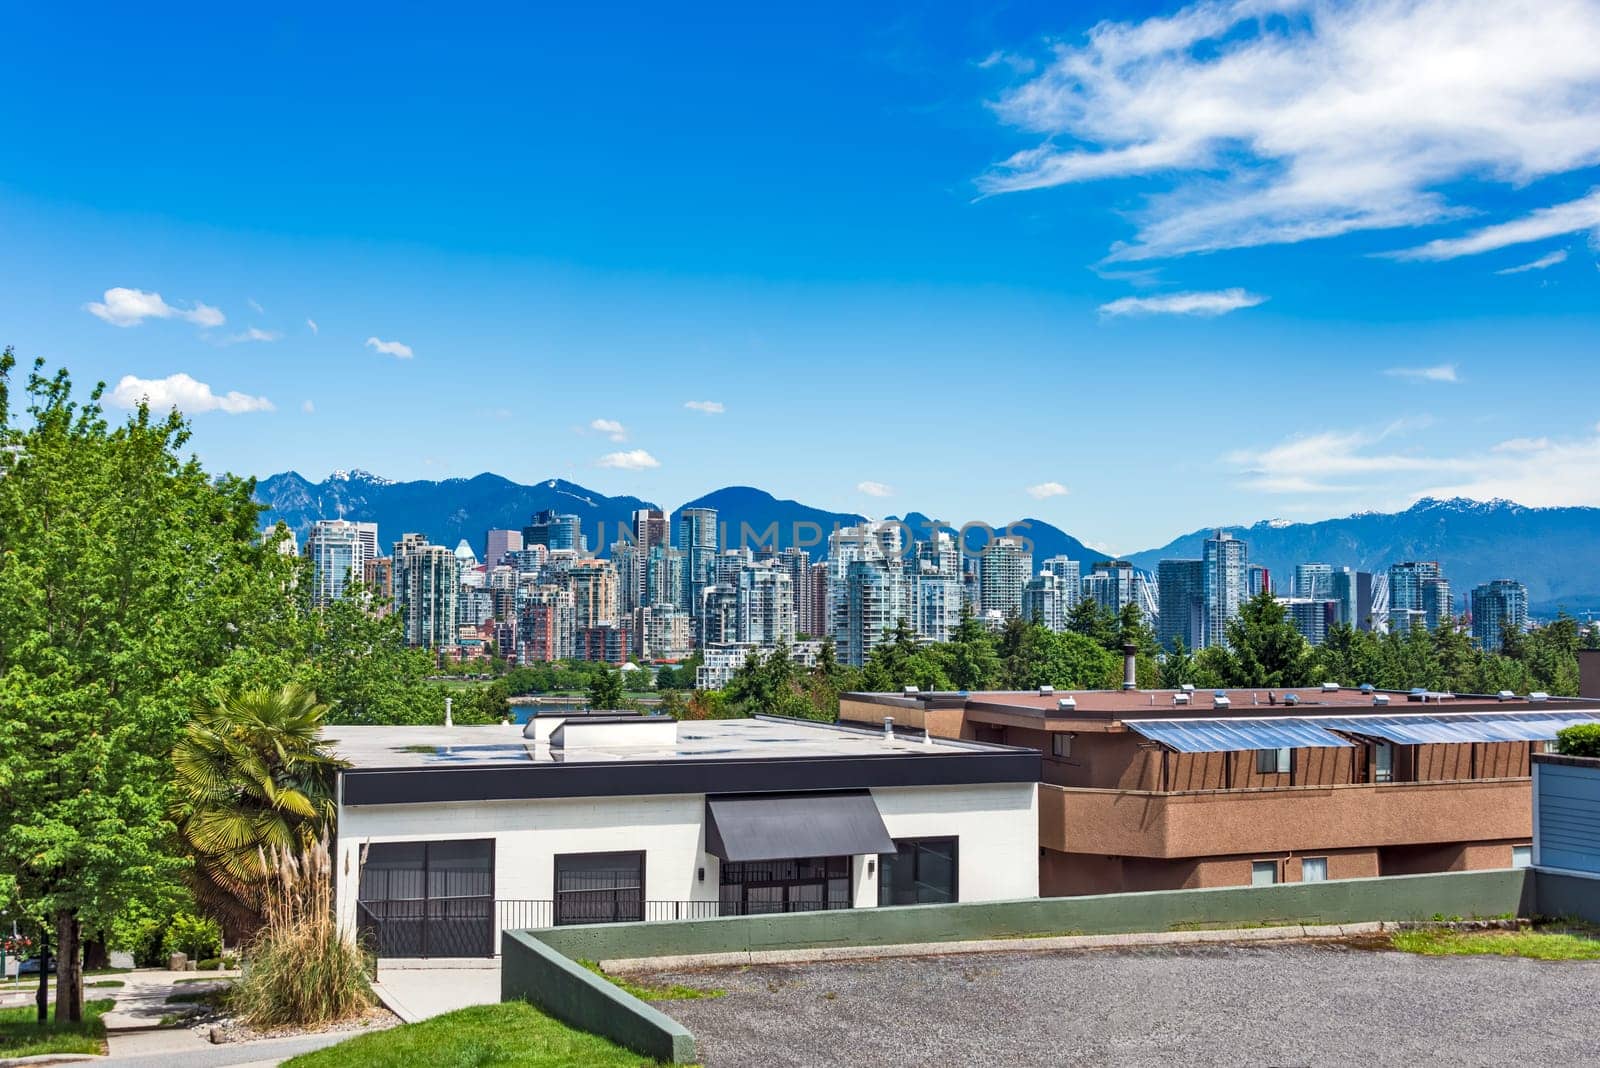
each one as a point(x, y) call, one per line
point(1444, 372)
point(1217, 302)
point(610, 427)
point(184, 393)
point(391, 348)
point(630, 460)
point(1547, 260)
point(312, 323)
point(130, 307)
point(258, 309)
point(1047, 489)
point(875, 489)
point(308, 407)
point(253, 334)
point(709, 407)
point(1523, 445)
point(1572, 217)
point(1273, 121)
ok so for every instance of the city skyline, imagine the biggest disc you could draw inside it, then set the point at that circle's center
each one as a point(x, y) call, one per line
point(730, 260)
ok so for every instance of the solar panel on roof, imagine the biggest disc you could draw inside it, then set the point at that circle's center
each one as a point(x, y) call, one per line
point(1233, 735)
point(1459, 727)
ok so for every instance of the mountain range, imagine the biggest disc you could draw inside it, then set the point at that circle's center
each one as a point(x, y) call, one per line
point(1552, 550)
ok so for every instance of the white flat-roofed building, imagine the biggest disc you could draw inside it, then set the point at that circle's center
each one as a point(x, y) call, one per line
point(448, 835)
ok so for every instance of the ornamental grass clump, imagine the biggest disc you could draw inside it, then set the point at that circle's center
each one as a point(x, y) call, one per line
point(298, 970)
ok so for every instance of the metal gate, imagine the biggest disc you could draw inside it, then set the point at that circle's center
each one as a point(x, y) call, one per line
point(428, 899)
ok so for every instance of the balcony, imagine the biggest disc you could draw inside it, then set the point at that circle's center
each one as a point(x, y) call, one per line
point(1134, 823)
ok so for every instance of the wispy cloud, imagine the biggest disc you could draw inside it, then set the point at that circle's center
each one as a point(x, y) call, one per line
point(1216, 302)
point(1572, 217)
point(312, 323)
point(630, 460)
point(308, 407)
point(1276, 121)
point(875, 489)
point(1548, 260)
point(130, 307)
point(1443, 372)
point(258, 309)
point(610, 427)
point(708, 407)
point(252, 334)
point(391, 348)
point(184, 393)
point(1047, 489)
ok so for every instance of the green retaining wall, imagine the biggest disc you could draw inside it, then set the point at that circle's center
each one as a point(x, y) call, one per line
point(1404, 897)
point(1559, 894)
point(532, 971)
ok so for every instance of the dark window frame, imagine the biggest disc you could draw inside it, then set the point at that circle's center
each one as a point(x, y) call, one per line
point(955, 864)
point(388, 917)
point(556, 893)
point(1280, 759)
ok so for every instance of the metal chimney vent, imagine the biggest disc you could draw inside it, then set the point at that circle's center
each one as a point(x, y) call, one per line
point(1330, 687)
point(1181, 698)
point(1380, 699)
point(1046, 691)
point(1066, 704)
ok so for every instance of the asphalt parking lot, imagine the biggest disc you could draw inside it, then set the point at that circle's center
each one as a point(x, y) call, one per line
point(1287, 1004)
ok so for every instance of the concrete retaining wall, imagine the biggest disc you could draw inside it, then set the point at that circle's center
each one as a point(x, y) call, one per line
point(534, 972)
point(1409, 897)
point(1559, 894)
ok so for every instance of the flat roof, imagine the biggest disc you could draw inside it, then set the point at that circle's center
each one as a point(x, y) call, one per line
point(761, 738)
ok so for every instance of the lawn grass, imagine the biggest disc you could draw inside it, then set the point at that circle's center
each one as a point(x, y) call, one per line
point(101, 984)
point(646, 992)
point(1550, 944)
point(513, 1033)
point(20, 1036)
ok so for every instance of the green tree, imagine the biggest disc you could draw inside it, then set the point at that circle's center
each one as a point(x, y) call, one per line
point(251, 773)
point(972, 663)
point(128, 575)
point(1266, 648)
point(1095, 622)
point(605, 688)
point(1177, 666)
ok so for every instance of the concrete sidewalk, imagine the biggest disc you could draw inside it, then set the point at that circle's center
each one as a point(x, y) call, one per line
point(416, 993)
point(134, 1026)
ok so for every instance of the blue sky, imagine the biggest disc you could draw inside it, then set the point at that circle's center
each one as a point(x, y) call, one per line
point(1132, 271)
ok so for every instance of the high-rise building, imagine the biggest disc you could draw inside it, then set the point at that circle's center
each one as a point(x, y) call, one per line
point(935, 596)
point(1044, 601)
point(1002, 572)
point(1353, 591)
point(649, 529)
point(868, 587)
point(554, 530)
point(1225, 584)
point(662, 632)
point(821, 590)
point(697, 541)
point(1311, 616)
point(765, 606)
point(1419, 595)
point(378, 578)
point(594, 593)
point(1117, 585)
point(338, 550)
point(607, 643)
point(427, 583)
point(1314, 581)
point(1259, 580)
point(719, 616)
point(728, 565)
point(797, 562)
point(499, 543)
point(1183, 603)
point(629, 564)
point(1068, 578)
point(1498, 608)
point(544, 623)
point(664, 577)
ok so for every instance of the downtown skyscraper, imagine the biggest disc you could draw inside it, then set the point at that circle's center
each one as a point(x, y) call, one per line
point(1498, 608)
point(1224, 584)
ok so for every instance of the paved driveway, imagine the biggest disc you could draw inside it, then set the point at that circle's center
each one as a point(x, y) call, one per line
point(1217, 1005)
point(418, 993)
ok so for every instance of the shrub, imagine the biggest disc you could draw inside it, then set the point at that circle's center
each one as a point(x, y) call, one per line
point(1580, 740)
point(210, 964)
point(301, 971)
point(196, 936)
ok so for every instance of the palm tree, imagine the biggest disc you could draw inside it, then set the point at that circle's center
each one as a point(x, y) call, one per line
point(252, 775)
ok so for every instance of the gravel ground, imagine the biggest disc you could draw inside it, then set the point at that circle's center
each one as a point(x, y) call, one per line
point(1300, 1004)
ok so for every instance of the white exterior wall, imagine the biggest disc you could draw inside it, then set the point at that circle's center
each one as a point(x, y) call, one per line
point(998, 826)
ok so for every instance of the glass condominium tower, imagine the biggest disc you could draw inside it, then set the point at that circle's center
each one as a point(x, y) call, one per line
point(697, 540)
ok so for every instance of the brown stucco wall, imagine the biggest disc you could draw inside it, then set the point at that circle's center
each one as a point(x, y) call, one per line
point(1071, 874)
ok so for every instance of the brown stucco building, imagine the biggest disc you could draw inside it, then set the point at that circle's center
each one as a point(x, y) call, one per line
point(1158, 790)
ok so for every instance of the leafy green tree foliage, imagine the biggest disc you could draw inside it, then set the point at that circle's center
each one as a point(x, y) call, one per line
point(901, 660)
point(251, 774)
point(127, 576)
point(605, 688)
point(1177, 666)
point(1096, 622)
point(971, 662)
point(1032, 655)
point(681, 677)
point(1265, 647)
point(1581, 740)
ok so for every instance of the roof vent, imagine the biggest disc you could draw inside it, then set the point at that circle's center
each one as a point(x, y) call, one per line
point(1180, 698)
point(1046, 691)
point(1367, 687)
point(1291, 698)
point(1187, 687)
point(1330, 687)
point(1066, 704)
point(1505, 695)
point(1220, 700)
point(1538, 695)
point(909, 690)
point(1380, 699)
point(888, 727)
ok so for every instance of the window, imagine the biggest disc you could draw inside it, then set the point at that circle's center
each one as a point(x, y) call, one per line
point(805, 884)
point(1263, 872)
point(599, 887)
point(1521, 856)
point(1061, 746)
point(1314, 870)
point(1272, 761)
point(921, 871)
point(428, 899)
point(1383, 762)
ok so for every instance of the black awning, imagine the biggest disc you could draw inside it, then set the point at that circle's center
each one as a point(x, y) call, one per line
point(785, 826)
